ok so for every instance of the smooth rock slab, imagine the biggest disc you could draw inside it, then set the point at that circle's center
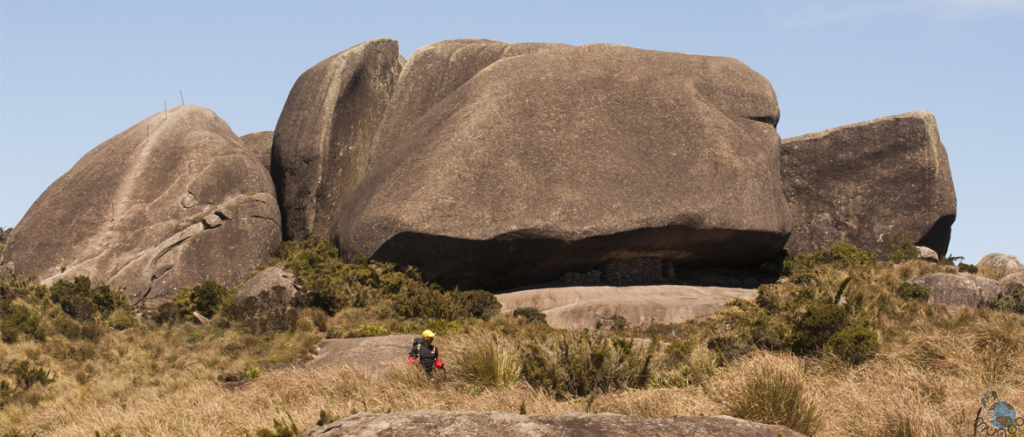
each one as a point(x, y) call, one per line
point(864, 183)
point(1001, 261)
point(956, 290)
point(583, 307)
point(171, 202)
point(560, 159)
point(495, 424)
point(373, 355)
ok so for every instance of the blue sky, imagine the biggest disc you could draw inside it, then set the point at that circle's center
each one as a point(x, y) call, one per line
point(73, 74)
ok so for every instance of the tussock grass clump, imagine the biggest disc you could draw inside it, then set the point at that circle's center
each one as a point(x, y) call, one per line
point(487, 360)
point(772, 391)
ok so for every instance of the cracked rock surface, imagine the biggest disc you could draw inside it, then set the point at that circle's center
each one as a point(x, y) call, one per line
point(170, 202)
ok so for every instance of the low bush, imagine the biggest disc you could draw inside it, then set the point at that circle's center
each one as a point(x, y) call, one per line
point(530, 313)
point(25, 375)
point(82, 301)
point(578, 363)
point(854, 345)
point(17, 321)
point(1010, 298)
point(331, 284)
point(206, 298)
point(903, 249)
point(967, 268)
point(909, 291)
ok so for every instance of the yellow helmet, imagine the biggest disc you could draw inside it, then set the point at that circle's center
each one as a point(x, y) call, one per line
point(428, 333)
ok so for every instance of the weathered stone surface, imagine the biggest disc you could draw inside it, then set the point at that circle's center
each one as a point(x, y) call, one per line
point(582, 307)
point(956, 290)
point(1001, 261)
point(927, 254)
point(522, 168)
point(372, 355)
point(266, 281)
point(259, 144)
point(864, 183)
point(1011, 283)
point(170, 202)
point(323, 137)
point(495, 424)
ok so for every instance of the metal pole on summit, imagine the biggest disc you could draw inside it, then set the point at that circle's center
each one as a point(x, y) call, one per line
point(182, 97)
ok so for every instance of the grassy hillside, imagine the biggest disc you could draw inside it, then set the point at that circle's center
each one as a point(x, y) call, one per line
point(840, 346)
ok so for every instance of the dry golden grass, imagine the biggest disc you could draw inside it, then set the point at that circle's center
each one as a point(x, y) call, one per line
point(926, 381)
point(932, 381)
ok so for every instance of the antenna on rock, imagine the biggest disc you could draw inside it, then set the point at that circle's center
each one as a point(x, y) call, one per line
point(165, 110)
point(182, 97)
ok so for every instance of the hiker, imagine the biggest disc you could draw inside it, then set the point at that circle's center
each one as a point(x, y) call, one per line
point(424, 350)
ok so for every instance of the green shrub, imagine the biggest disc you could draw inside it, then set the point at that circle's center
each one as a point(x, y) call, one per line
point(82, 301)
point(530, 313)
point(206, 298)
point(480, 303)
point(776, 395)
point(841, 254)
point(967, 268)
point(68, 328)
point(1010, 298)
point(121, 319)
point(578, 364)
point(326, 417)
point(780, 264)
point(854, 345)
point(17, 320)
point(812, 329)
point(902, 249)
point(25, 376)
point(909, 291)
point(280, 429)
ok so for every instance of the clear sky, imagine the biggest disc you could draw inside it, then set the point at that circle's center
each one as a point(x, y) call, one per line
point(73, 74)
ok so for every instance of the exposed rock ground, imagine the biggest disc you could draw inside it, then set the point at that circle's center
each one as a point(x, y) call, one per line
point(1002, 261)
point(956, 290)
point(517, 165)
point(323, 136)
point(371, 354)
point(864, 183)
point(583, 307)
point(494, 424)
point(170, 202)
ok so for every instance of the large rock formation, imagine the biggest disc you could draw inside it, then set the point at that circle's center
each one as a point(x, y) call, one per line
point(1001, 261)
point(259, 145)
point(323, 137)
point(864, 183)
point(957, 290)
point(495, 424)
point(170, 202)
point(517, 163)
